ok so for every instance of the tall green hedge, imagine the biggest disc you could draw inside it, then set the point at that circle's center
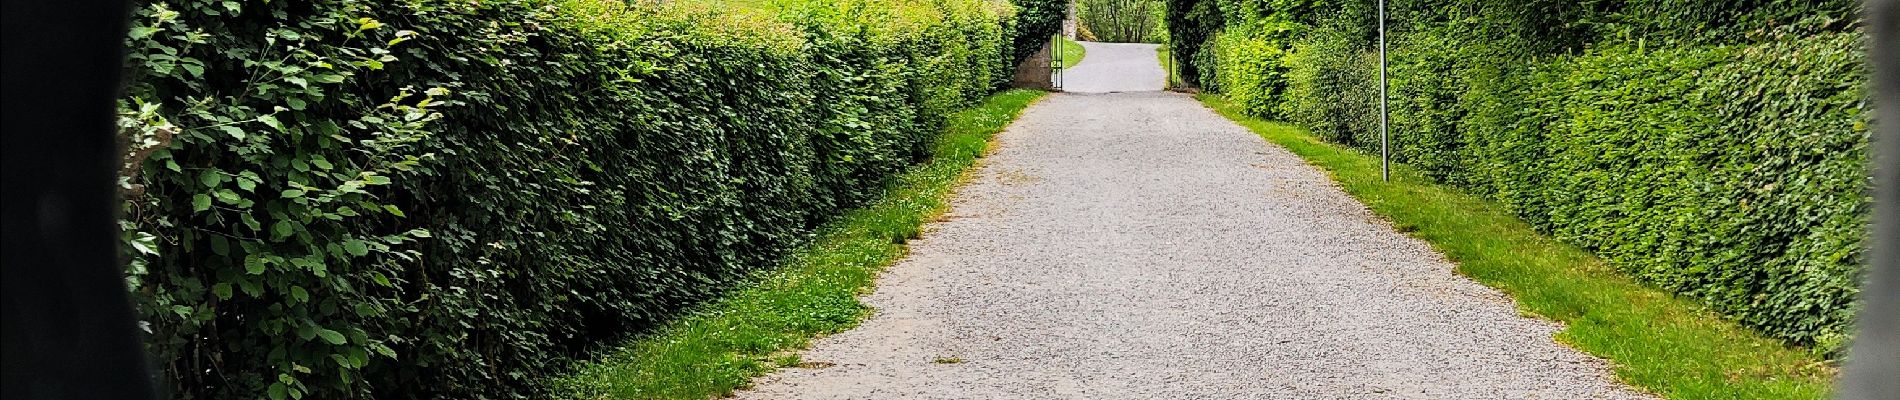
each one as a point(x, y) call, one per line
point(447, 199)
point(1035, 21)
point(1715, 149)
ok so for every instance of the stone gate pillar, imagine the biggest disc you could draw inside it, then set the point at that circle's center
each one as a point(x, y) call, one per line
point(1035, 72)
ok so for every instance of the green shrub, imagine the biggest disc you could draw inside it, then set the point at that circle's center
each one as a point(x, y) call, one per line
point(1734, 175)
point(1036, 21)
point(1710, 148)
point(440, 199)
point(1332, 87)
point(1249, 69)
point(1426, 74)
point(1191, 24)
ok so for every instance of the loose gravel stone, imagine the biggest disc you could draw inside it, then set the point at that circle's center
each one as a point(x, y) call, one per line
point(1137, 245)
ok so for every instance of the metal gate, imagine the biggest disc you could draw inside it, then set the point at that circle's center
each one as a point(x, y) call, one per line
point(1055, 62)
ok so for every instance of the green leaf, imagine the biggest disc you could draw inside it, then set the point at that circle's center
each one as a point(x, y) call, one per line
point(271, 121)
point(277, 391)
point(251, 222)
point(228, 197)
point(234, 131)
point(141, 32)
point(289, 193)
point(195, 69)
point(299, 294)
point(222, 289)
point(145, 243)
point(250, 287)
point(356, 247)
point(391, 208)
point(200, 202)
point(220, 246)
point(381, 279)
point(283, 229)
point(377, 179)
point(253, 265)
point(320, 162)
point(210, 177)
point(385, 351)
point(358, 358)
point(331, 336)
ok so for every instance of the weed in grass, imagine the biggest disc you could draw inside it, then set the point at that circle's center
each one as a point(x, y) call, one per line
point(786, 359)
point(1657, 342)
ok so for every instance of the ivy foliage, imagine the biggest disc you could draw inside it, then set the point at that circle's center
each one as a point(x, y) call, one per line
point(1712, 148)
point(1037, 20)
point(448, 199)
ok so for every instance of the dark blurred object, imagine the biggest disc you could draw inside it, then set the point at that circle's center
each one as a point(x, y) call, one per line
point(1873, 363)
point(69, 329)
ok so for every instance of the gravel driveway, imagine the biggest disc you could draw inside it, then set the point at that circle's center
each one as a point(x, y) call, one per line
point(1137, 245)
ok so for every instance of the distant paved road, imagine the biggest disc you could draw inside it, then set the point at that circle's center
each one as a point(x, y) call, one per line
point(1137, 245)
point(1116, 67)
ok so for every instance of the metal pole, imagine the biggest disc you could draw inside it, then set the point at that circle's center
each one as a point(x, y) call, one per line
point(1385, 151)
point(1874, 360)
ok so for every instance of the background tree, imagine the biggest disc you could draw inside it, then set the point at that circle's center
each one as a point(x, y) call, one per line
point(1122, 21)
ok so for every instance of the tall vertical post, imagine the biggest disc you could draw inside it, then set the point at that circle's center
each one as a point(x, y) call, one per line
point(1874, 359)
point(1385, 146)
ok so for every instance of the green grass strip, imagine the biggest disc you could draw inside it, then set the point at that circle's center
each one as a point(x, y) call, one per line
point(1161, 56)
point(1072, 52)
point(1658, 342)
point(720, 346)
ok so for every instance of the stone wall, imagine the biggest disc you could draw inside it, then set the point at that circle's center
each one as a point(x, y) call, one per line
point(1035, 72)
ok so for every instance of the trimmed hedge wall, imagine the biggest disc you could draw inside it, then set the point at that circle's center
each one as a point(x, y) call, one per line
point(1715, 149)
point(447, 199)
point(1734, 175)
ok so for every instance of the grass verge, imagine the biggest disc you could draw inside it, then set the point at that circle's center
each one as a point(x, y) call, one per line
point(1660, 343)
point(1072, 52)
point(1161, 55)
point(721, 345)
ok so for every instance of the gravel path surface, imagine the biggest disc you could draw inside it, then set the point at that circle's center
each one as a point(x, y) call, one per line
point(1116, 67)
point(1137, 245)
